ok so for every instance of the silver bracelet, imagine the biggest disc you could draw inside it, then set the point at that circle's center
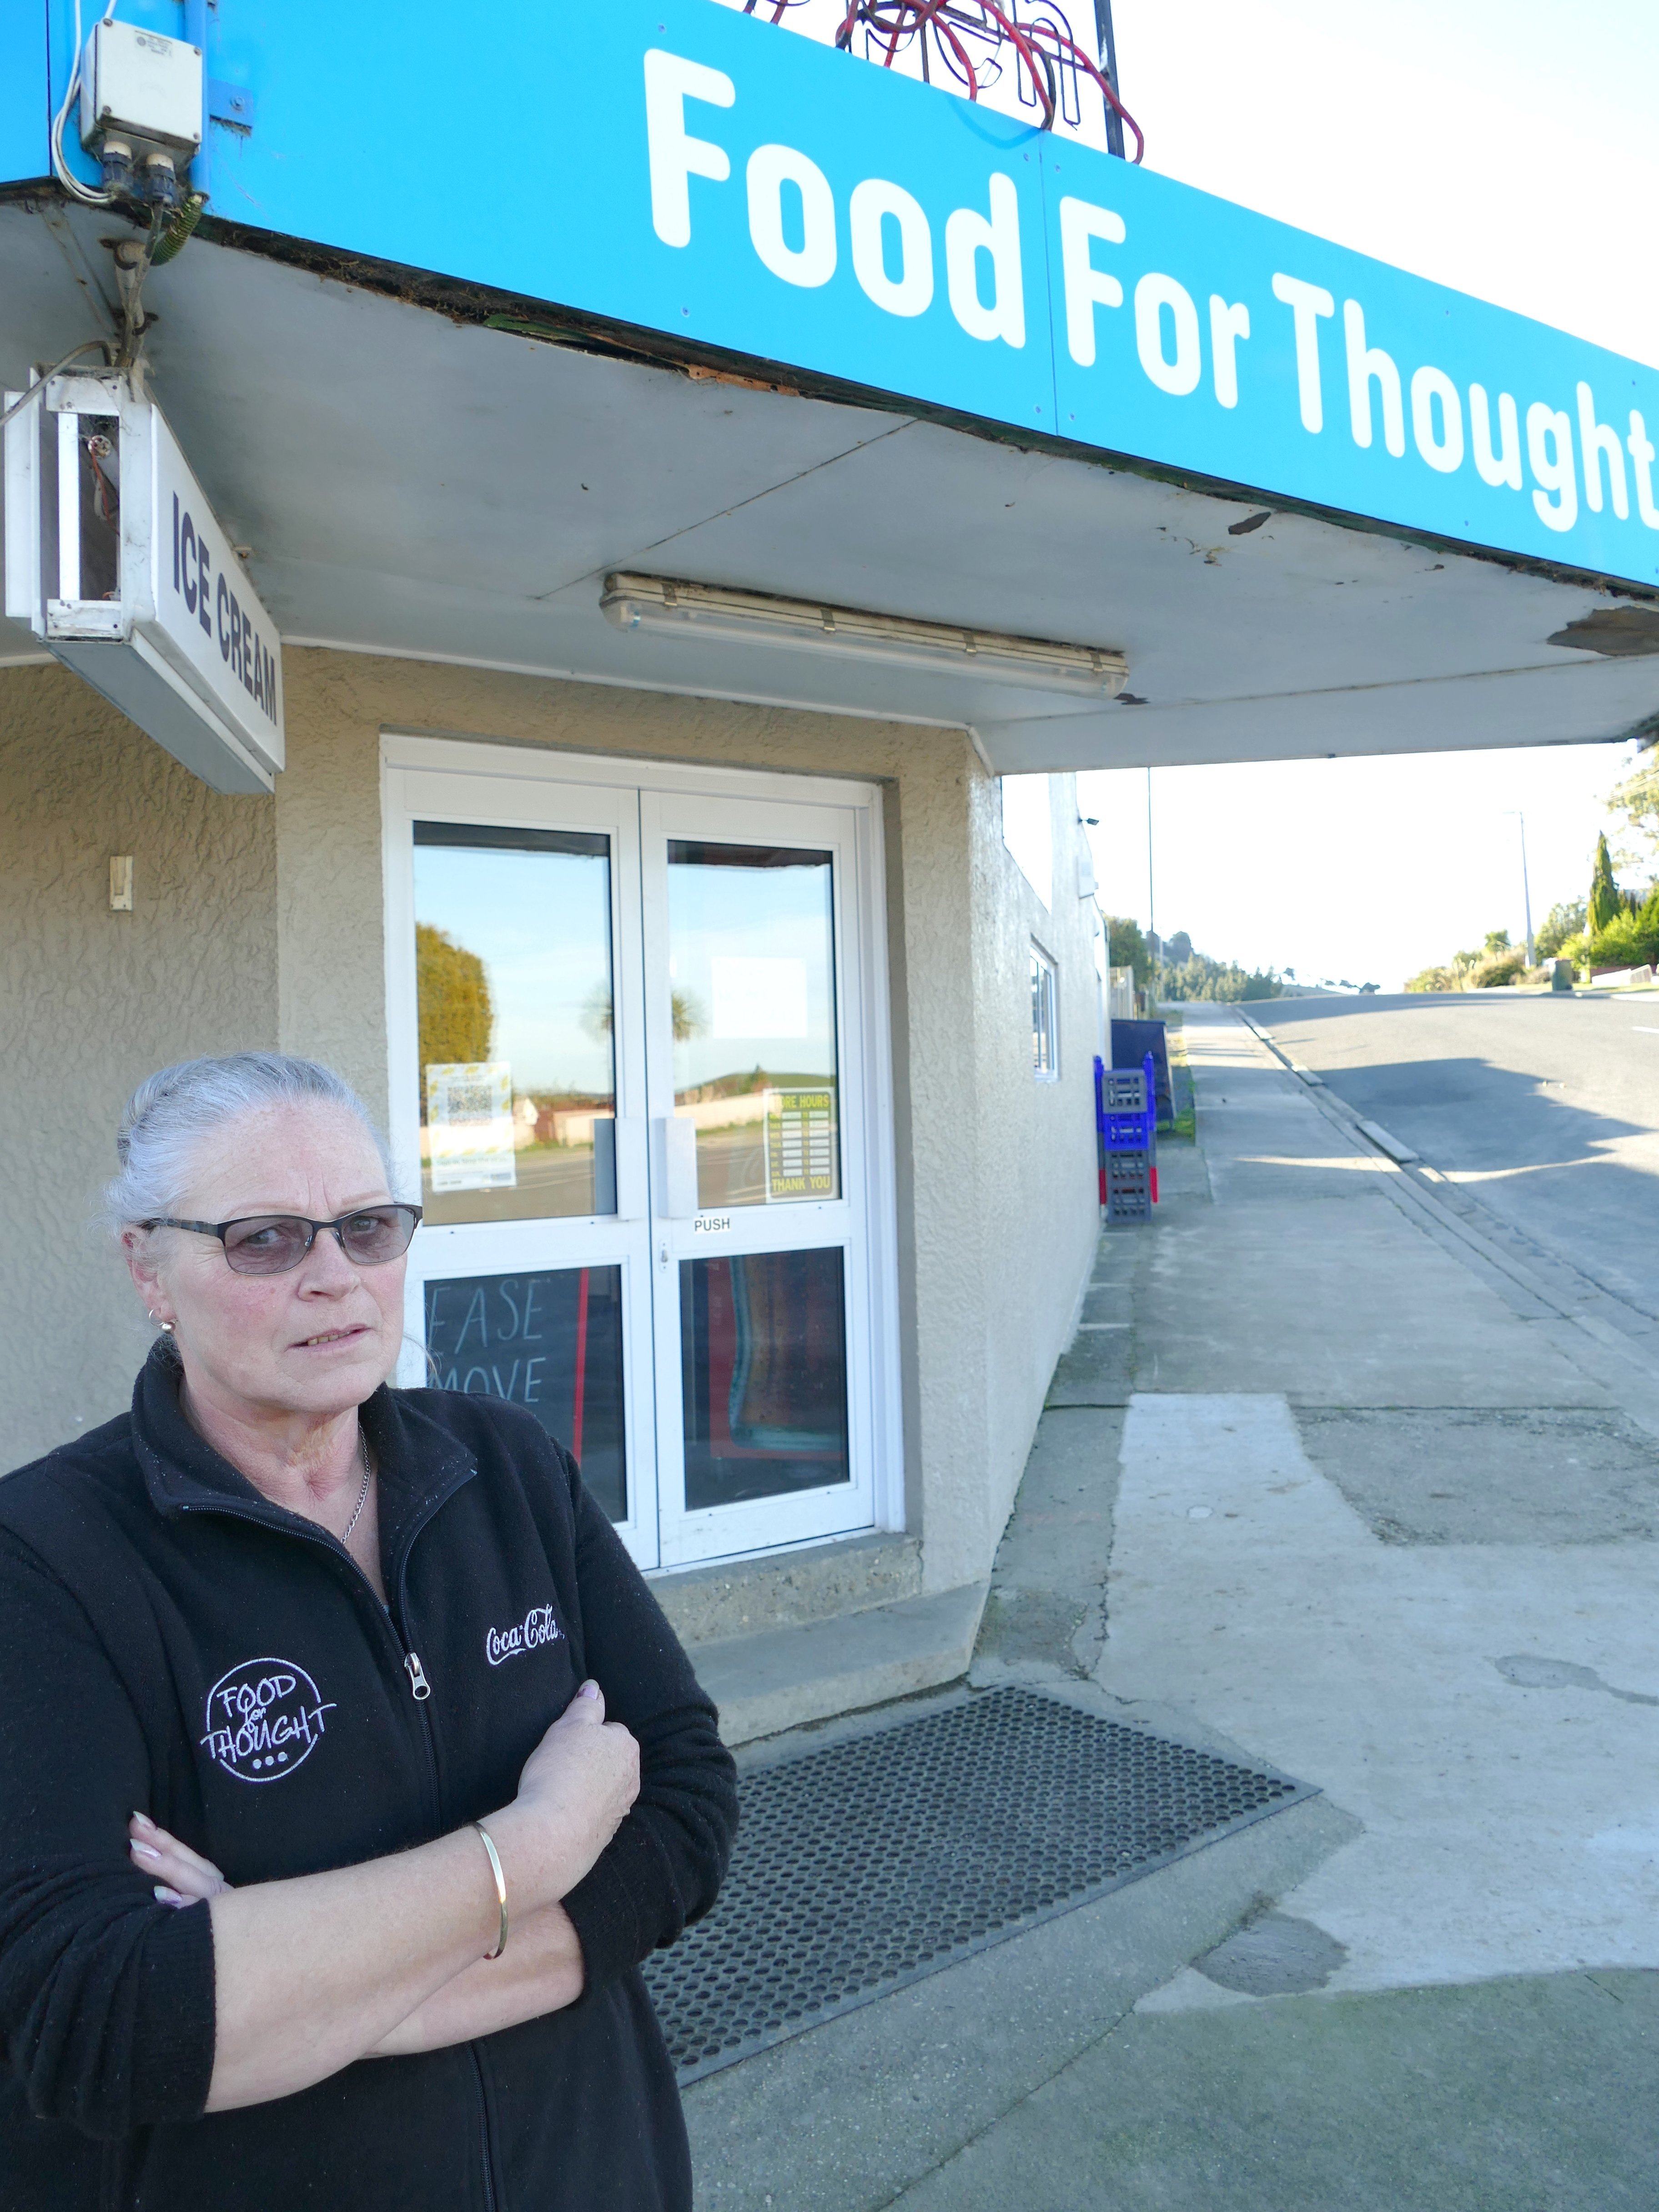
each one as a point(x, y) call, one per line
point(500, 1887)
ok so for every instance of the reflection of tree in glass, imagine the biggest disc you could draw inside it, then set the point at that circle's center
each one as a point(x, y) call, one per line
point(457, 1014)
point(597, 1015)
point(687, 1016)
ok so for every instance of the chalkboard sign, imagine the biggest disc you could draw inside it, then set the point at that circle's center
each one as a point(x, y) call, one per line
point(550, 1342)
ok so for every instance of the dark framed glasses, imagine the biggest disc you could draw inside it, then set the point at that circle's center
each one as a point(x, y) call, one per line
point(271, 1244)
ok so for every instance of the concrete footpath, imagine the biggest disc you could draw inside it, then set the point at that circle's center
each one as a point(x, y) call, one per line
point(1329, 1476)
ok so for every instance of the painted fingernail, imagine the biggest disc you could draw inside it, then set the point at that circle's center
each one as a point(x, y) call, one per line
point(143, 1820)
point(165, 1896)
point(588, 1690)
point(143, 1850)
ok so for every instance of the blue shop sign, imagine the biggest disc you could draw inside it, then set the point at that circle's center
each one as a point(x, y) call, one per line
point(686, 169)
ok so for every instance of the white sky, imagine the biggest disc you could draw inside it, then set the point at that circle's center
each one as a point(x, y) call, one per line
point(1505, 147)
point(1363, 869)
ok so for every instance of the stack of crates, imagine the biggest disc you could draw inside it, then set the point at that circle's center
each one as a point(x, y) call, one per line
point(1126, 1123)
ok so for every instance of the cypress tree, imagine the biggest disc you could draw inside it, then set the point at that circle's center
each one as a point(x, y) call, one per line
point(1607, 902)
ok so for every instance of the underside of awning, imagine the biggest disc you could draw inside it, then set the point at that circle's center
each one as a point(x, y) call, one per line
point(411, 481)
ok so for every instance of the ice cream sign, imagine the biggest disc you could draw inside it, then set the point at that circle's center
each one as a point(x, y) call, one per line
point(116, 560)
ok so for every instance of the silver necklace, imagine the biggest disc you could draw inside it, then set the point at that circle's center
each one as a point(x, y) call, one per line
point(362, 1495)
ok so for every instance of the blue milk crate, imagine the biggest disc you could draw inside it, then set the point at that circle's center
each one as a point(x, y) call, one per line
point(1126, 1114)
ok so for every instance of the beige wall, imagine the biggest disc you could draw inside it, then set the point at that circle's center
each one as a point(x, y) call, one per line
point(92, 1001)
point(995, 1171)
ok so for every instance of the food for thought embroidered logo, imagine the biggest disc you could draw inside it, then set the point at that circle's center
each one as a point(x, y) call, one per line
point(264, 1718)
point(537, 1628)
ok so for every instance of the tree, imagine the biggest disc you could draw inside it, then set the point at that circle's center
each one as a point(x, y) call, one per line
point(1201, 977)
point(1606, 901)
point(1637, 799)
point(1128, 948)
point(1560, 923)
point(457, 1015)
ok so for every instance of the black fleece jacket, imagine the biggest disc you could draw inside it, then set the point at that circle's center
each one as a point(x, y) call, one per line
point(172, 1643)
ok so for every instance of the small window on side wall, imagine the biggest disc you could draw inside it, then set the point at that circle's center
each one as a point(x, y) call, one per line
point(1045, 1018)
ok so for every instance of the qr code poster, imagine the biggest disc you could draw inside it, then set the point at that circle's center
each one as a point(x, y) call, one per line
point(469, 1125)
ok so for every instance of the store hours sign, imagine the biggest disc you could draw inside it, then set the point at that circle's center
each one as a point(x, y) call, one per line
point(118, 563)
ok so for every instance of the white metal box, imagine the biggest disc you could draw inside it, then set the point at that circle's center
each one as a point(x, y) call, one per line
point(136, 84)
point(119, 565)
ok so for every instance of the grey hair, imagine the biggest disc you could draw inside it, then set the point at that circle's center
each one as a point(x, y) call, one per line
point(172, 1112)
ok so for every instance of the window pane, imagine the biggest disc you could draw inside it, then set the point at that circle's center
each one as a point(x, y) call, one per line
point(513, 968)
point(1043, 1060)
point(550, 1342)
point(764, 1371)
point(752, 977)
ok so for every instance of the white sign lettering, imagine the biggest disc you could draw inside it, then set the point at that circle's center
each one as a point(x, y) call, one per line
point(264, 1719)
point(538, 1626)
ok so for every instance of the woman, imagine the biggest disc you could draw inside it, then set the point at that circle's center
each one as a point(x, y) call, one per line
point(348, 1769)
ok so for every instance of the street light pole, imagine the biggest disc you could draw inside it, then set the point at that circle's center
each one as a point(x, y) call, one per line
point(1526, 887)
point(1152, 901)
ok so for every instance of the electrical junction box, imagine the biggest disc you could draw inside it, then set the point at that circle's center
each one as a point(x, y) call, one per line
point(136, 84)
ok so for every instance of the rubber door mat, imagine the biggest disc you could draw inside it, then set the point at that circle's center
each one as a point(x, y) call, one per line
point(871, 1864)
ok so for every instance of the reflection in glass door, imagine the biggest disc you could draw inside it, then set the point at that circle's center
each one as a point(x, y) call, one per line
point(512, 973)
point(631, 1045)
point(762, 1335)
point(761, 1253)
point(514, 906)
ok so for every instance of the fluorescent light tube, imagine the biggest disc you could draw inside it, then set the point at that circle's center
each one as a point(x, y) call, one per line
point(730, 616)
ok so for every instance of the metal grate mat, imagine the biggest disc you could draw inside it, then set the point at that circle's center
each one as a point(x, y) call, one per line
point(872, 1863)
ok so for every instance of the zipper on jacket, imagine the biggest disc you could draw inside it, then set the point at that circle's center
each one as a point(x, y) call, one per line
point(420, 1688)
point(485, 2146)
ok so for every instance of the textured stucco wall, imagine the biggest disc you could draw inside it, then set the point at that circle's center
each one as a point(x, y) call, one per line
point(263, 921)
point(1036, 1172)
point(90, 1002)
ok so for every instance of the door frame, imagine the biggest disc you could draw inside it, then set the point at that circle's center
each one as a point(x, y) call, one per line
point(484, 762)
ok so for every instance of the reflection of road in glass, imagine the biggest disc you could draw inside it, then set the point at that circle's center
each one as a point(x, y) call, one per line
point(732, 1165)
point(731, 1147)
point(555, 1182)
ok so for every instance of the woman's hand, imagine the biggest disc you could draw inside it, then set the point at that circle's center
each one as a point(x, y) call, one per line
point(181, 1875)
point(574, 1793)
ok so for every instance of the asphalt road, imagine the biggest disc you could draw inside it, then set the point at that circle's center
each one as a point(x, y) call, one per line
point(1546, 1108)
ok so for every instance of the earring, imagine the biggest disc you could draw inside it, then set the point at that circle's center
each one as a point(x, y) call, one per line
point(166, 1326)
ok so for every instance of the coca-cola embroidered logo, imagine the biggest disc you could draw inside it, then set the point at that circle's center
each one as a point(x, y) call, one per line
point(537, 1628)
point(264, 1718)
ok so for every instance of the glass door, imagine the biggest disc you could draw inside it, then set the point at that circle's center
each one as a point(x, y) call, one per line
point(753, 1044)
point(635, 1050)
point(518, 1051)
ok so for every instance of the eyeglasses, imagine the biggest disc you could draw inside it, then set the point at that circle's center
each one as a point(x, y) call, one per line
point(272, 1243)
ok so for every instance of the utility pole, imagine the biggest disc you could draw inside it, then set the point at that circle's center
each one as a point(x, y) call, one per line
point(1526, 887)
point(1107, 48)
point(1151, 901)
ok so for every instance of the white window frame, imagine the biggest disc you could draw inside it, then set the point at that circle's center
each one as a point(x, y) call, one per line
point(878, 1291)
point(1045, 964)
